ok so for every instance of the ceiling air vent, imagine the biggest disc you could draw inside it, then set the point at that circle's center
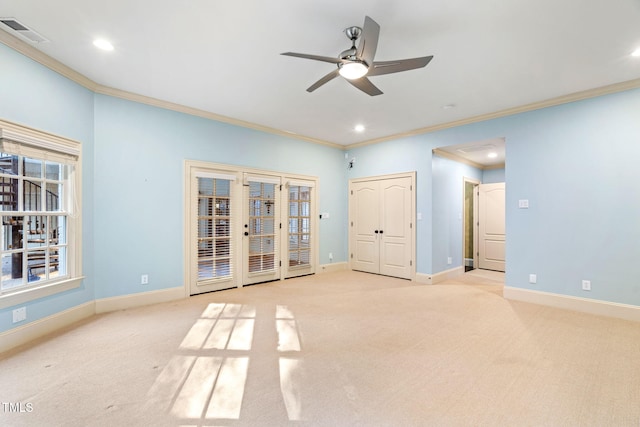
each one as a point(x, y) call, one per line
point(14, 27)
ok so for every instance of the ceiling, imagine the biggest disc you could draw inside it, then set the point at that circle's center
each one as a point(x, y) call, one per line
point(486, 154)
point(223, 57)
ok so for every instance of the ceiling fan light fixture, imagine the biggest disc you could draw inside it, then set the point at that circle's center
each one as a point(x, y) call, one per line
point(353, 70)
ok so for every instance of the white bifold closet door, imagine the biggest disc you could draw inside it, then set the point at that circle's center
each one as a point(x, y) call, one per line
point(381, 226)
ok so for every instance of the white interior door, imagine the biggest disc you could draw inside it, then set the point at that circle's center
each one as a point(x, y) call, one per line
point(491, 207)
point(261, 229)
point(365, 253)
point(395, 227)
point(381, 226)
point(212, 240)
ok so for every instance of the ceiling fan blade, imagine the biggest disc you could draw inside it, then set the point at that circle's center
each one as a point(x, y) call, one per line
point(387, 67)
point(332, 75)
point(365, 85)
point(368, 40)
point(314, 57)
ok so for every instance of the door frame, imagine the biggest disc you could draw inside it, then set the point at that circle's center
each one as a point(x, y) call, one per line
point(410, 174)
point(474, 224)
point(189, 237)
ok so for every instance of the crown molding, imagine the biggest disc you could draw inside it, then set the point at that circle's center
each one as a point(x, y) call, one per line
point(459, 159)
point(565, 99)
point(54, 65)
point(142, 99)
point(42, 58)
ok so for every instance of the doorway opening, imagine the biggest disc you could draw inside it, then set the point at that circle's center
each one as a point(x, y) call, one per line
point(478, 166)
point(470, 219)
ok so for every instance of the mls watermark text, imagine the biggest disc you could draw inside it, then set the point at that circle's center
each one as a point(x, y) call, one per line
point(16, 407)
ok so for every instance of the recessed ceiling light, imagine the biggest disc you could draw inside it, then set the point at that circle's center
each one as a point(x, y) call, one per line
point(492, 155)
point(359, 128)
point(103, 44)
point(448, 106)
point(636, 52)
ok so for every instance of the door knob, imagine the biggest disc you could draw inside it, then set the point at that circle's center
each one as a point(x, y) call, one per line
point(376, 231)
point(246, 233)
point(381, 232)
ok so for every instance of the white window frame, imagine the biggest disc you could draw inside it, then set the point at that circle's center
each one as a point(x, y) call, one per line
point(20, 140)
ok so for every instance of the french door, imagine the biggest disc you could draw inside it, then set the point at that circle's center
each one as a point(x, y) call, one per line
point(262, 226)
point(300, 228)
point(247, 227)
point(213, 208)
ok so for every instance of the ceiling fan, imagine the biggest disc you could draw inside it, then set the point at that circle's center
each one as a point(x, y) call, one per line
point(357, 64)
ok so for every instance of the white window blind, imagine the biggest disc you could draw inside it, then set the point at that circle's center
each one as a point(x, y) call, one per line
point(299, 223)
point(263, 226)
point(215, 212)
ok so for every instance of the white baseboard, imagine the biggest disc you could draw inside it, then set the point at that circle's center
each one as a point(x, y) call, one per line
point(585, 305)
point(123, 302)
point(423, 278)
point(432, 279)
point(38, 328)
point(333, 267)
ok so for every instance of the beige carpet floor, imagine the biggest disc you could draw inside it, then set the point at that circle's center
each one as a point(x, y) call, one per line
point(337, 349)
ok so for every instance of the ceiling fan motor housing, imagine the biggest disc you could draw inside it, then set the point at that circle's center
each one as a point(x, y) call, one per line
point(353, 33)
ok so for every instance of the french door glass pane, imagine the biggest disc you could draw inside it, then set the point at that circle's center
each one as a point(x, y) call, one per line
point(214, 228)
point(262, 227)
point(299, 225)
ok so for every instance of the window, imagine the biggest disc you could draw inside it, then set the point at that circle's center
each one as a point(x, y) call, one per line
point(39, 209)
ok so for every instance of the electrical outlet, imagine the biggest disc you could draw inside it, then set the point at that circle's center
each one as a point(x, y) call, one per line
point(586, 285)
point(19, 314)
point(533, 278)
point(144, 279)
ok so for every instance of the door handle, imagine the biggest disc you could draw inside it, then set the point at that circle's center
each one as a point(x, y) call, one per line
point(381, 231)
point(376, 231)
point(246, 233)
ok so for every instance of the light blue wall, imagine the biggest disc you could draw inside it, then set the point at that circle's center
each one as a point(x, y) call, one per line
point(32, 95)
point(140, 152)
point(493, 176)
point(133, 178)
point(448, 196)
point(576, 164)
